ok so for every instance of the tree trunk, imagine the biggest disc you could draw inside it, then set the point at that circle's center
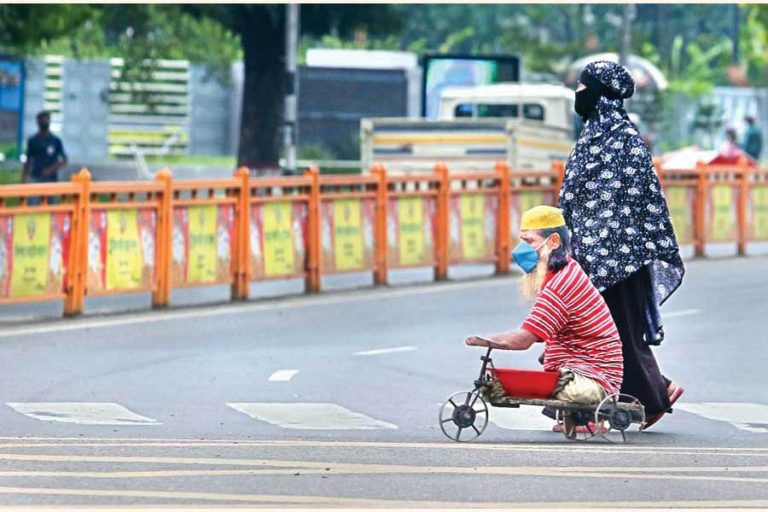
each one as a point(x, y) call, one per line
point(263, 88)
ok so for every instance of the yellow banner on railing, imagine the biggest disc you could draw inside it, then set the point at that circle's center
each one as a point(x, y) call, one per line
point(121, 249)
point(203, 238)
point(278, 239)
point(410, 231)
point(759, 213)
point(473, 227)
point(681, 211)
point(34, 253)
point(347, 235)
point(722, 218)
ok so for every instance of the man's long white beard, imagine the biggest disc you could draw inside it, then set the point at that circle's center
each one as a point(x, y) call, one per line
point(533, 281)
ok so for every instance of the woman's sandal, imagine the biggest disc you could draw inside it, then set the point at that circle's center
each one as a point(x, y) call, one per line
point(676, 393)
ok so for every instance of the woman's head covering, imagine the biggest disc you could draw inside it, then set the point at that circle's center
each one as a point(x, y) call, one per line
point(611, 197)
point(613, 80)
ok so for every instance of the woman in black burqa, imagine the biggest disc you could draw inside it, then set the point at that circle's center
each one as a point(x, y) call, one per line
point(621, 230)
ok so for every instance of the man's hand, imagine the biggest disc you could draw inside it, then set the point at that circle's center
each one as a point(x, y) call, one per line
point(474, 341)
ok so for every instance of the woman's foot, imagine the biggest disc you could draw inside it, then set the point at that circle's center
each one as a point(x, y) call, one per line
point(590, 428)
point(675, 392)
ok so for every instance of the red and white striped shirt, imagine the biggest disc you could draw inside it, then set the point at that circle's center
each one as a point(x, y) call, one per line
point(573, 319)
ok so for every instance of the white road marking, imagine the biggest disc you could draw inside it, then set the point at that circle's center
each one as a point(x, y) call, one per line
point(683, 312)
point(380, 351)
point(282, 375)
point(524, 418)
point(310, 416)
point(742, 415)
point(82, 413)
point(213, 311)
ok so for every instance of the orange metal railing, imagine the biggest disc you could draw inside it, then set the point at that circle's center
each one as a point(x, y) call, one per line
point(67, 241)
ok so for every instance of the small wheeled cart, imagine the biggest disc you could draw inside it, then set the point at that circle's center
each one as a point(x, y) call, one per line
point(464, 416)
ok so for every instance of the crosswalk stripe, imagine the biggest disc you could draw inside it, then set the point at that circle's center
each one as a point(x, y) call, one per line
point(742, 415)
point(282, 375)
point(310, 416)
point(82, 413)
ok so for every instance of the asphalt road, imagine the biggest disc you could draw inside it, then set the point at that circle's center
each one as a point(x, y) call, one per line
point(332, 400)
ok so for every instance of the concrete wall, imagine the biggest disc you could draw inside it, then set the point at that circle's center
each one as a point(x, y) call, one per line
point(85, 110)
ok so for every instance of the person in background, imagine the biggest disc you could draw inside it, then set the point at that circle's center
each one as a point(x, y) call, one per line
point(730, 148)
point(621, 230)
point(45, 153)
point(753, 139)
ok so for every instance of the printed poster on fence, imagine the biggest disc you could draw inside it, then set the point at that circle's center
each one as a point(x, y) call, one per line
point(759, 217)
point(277, 237)
point(34, 251)
point(473, 227)
point(680, 204)
point(520, 203)
point(410, 231)
point(121, 249)
point(347, 235)
point(202, 244)
point(722, 214)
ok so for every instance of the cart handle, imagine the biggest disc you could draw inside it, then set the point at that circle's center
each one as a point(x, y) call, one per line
point(485, 359)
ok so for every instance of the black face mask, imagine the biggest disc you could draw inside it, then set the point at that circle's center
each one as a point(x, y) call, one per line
point(44, 126)
point(586, 102)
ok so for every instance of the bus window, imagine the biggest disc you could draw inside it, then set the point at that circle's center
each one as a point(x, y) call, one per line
point(533, 111)
point(497, 110)
point(463, 110)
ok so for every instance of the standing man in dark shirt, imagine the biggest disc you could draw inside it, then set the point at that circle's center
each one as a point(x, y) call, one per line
point(45, 153)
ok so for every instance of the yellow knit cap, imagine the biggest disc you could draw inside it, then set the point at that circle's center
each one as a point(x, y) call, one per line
point(542, 217)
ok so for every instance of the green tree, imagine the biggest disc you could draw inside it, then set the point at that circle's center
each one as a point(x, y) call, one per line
point(261, 29)
point(24, 27)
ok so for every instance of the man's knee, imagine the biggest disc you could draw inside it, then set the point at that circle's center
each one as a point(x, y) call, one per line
point(581, 390)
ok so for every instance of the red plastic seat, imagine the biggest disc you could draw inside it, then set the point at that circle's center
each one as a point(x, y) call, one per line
point(527, 383)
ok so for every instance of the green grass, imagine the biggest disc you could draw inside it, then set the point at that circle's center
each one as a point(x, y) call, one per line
point(169, 161)
point(10, 176)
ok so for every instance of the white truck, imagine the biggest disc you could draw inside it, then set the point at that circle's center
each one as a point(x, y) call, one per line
point(527, 125)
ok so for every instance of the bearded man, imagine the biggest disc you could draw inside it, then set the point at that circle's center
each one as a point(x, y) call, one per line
point(569, 315)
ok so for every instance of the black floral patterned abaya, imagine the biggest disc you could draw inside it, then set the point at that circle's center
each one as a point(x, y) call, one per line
point(621, 230)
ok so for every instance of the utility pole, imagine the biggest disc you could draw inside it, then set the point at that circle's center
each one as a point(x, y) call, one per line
point(736, 25)
point(290, 128)
point(626, 33)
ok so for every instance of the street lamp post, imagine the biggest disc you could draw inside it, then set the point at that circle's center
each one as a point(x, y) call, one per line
point(626, 34)
point(290, 128)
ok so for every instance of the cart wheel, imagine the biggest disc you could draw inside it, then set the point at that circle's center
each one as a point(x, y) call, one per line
point(464, 416)
point(613, 419)
point(580, 426)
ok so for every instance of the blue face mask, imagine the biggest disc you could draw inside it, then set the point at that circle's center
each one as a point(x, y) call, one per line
point(526, 256)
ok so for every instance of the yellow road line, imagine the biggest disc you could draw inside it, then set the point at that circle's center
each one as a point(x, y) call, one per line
point(376, 469)
point(594, 449)
point(362, 502)
point(575, 447)
point(315, 467)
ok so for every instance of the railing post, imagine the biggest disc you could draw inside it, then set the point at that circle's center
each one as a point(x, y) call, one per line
point(741, 212)
point(558, 167)
point(442, 224)
point(78, 250)
point(161, 296)
point(242, 259)
point(659, 170)
point(502, 220)
point(312, 281)
point(380, 273)
point(700, 211)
